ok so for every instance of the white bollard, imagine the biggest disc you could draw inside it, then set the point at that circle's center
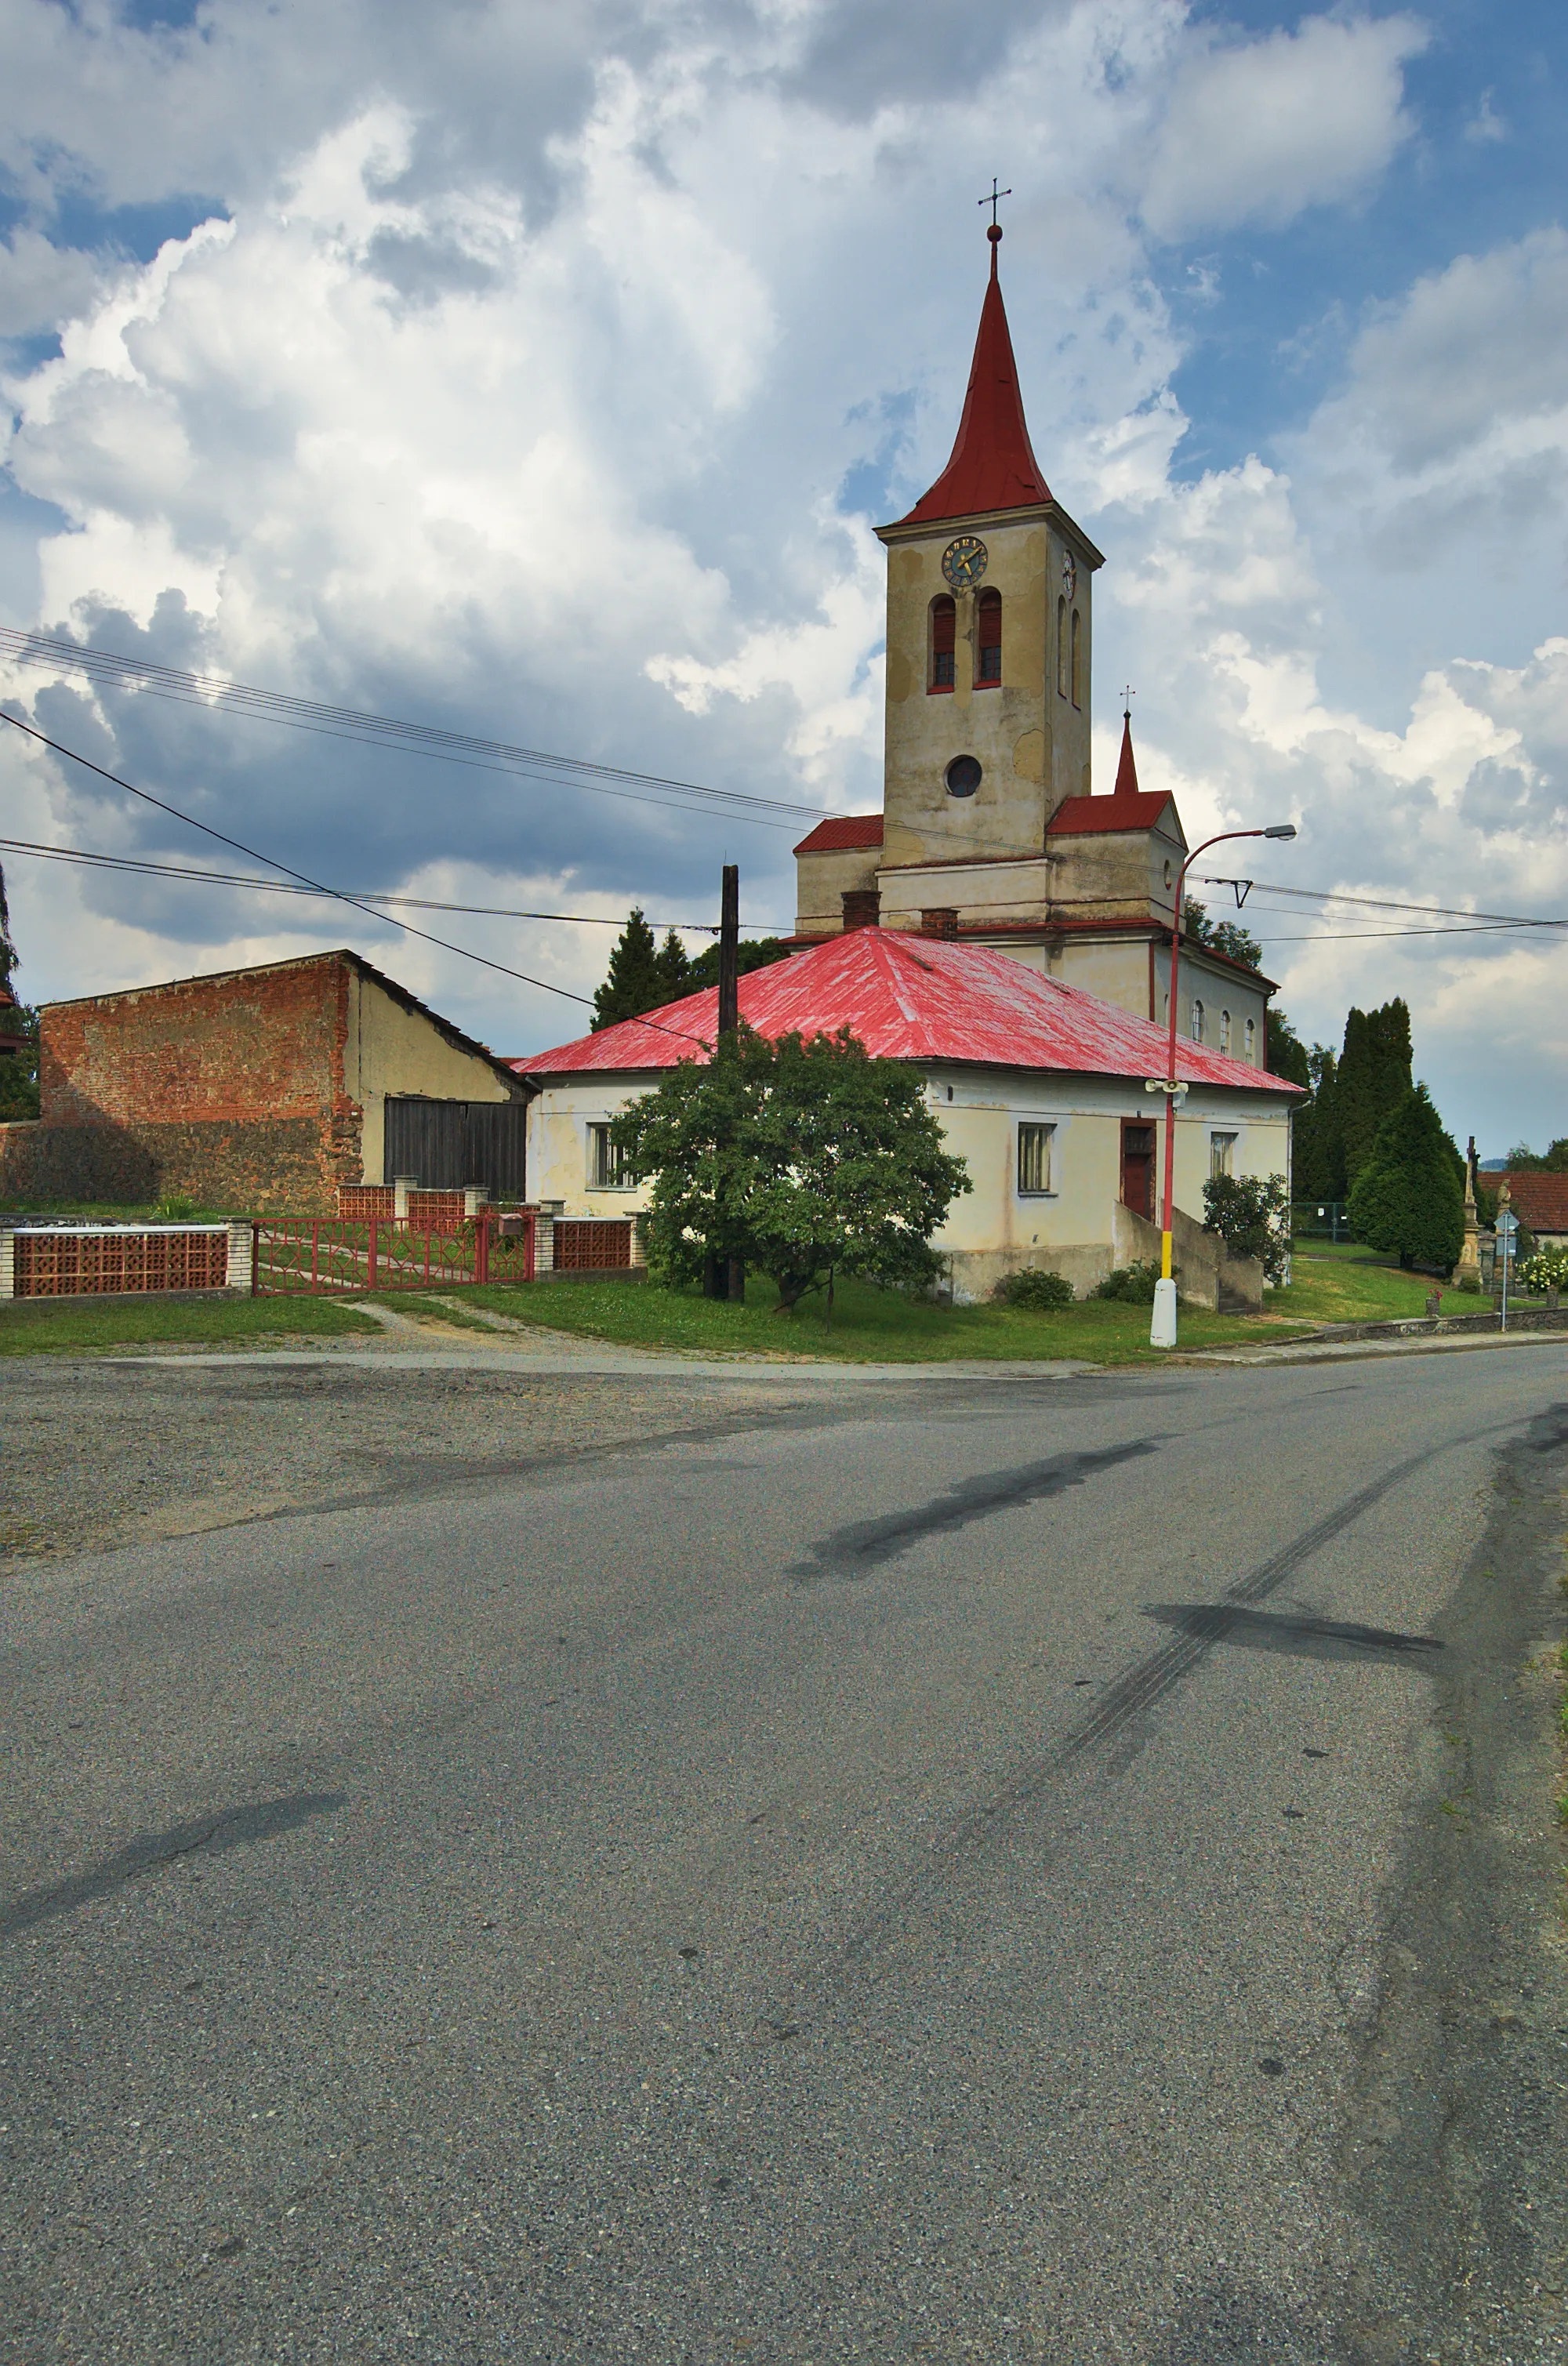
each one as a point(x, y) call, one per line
point(1162, 1330)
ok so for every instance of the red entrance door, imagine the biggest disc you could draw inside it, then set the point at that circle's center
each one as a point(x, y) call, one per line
point(1138, 1168)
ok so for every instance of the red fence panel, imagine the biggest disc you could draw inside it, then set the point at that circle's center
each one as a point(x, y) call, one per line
point(329, 1256)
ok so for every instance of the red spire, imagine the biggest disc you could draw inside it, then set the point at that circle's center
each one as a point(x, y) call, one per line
point(991, 467)
point(1126, 771)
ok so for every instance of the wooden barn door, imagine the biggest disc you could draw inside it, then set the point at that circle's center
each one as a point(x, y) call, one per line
point(447, 1145)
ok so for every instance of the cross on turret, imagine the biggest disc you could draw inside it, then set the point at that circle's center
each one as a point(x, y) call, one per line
point(994, 201)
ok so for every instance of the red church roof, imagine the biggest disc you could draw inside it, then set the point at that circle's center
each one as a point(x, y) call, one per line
point(842, 830)
point(992, 465)
point(911, 997)
point(1086, 817)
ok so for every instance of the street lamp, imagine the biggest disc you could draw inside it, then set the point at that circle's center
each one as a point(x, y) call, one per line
point(1162, 1330)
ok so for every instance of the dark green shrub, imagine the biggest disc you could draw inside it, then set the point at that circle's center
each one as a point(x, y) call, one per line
point(1132, 1285)
point(1251, 1214)
point(1035, 1292)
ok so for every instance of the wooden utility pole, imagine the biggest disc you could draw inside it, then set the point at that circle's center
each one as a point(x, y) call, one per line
point(729, 950)
point(725, 1278)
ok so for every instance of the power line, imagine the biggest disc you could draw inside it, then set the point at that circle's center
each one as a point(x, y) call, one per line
point(338, 893)
point(1378, 903)
point(139, 674)
point(145, 866)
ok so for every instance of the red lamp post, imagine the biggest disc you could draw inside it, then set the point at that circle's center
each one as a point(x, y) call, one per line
point(1162, 1332)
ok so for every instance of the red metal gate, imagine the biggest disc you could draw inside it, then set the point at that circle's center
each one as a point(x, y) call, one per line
point(320, 1255)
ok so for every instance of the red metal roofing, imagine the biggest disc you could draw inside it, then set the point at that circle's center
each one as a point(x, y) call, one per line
point(842, 830)
point(1539, 1201)
point(992, 465)
point(1087, 816)
point(912, 998)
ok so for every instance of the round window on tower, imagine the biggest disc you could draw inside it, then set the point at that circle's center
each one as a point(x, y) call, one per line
point(962, 776)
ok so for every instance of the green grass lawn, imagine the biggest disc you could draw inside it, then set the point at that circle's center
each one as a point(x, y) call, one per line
point(868, 1326)
point(1344, 1283)
point(116, 1212)
point(75, 1326)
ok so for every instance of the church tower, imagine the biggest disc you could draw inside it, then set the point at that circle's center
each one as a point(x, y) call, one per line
point(990, 831)
point(989, 635)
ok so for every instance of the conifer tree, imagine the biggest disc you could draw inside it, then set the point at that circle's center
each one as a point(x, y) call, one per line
point(633, 983)
point(1407, 1201)
point(1374, 1075)
point(674, 969)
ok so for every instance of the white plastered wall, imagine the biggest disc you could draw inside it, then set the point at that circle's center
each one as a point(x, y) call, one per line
point(393, 1050)
point(991, 1230)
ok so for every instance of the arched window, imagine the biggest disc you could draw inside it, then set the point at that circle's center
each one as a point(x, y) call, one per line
point(1077, 658)
point(944, 638)
point(1224, 1031)
point(1061, 648)
point(1197, 1022)
point(1252, 1039)
point(989, 613)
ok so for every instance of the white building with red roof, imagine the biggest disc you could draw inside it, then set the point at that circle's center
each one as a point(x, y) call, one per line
point(1038, 1086)
point(990, 832)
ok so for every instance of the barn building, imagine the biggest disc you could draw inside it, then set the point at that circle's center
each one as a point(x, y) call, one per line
point(263, 1089)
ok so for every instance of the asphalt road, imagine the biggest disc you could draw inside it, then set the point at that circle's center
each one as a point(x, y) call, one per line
point(986, 1869)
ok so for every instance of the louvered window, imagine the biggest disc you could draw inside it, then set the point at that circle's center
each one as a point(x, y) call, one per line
point(944, 638)
point(989, 610)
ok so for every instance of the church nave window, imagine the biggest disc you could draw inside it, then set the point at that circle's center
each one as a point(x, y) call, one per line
point(1077, 658)
point(1061, 648)
point(988, 611)
point(1197, 1022)
point(1252, 1039)
point(944, 641)
point(1224, 1031)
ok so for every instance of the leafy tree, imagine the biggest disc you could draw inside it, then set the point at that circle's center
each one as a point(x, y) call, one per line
point(803, 1160)
point(1227, 937)
point(1251, 1214)
point(1287, 1055)
point(1374, 1075)
point(1406, 1200)
point(751, 952)
point(18, 1070)
point(1551, 1161)
point(633, 984)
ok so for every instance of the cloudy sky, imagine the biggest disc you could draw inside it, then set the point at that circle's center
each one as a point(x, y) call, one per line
point(539, 372)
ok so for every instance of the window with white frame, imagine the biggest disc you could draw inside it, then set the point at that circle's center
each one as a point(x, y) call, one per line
point(1224, 1031)
point(1221, 1153)
point(1197, 1022)
point(606, 1166)
point(1252, 1039)
point(1035, 1146)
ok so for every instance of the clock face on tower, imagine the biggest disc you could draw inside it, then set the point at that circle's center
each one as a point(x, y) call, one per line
point(964, 561)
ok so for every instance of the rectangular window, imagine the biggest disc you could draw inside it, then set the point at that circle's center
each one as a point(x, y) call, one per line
point(607, 1170)
point(941, 669)
point(1034, 1160)
point(1221, 1153)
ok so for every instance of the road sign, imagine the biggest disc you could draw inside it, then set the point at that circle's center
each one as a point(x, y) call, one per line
point(1507, 1225)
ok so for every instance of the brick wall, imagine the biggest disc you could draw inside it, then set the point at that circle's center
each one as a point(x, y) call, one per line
point(226, 1090)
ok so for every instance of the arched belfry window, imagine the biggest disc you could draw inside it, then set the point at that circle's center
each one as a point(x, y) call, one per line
point(989, 616)
point(944, 640)
point(1061, 648)
point(1077, 658)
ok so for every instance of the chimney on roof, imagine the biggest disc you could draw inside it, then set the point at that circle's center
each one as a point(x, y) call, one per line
point(862, 908)
point(940, 921)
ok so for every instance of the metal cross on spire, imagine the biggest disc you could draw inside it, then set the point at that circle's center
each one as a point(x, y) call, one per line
point(994, 201)
point(1128, 695)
